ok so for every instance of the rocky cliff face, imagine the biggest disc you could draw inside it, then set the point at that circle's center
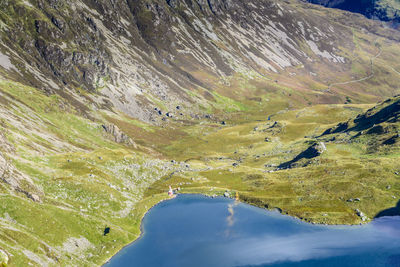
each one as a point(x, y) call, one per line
point(132, 54)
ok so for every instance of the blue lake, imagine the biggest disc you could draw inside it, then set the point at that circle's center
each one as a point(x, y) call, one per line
point(193, 230)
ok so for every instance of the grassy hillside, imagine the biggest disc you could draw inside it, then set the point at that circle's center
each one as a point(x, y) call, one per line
point(353, 171)
point(81, 180)
point(98, 116)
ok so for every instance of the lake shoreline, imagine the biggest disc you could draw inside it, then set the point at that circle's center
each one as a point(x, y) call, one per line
point(206, 230)
point(218, 196)
point(141, 230)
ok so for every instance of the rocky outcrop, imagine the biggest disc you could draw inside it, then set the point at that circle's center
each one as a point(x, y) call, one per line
point(117, 135)
point(74, 245)
point(361, 214)
point(388, 111)
point(16, 180)
point(304, 158)
point(381, 119)
point(338, 128)
point(378, 128)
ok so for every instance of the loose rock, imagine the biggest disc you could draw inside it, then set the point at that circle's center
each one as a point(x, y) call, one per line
point(3, 258)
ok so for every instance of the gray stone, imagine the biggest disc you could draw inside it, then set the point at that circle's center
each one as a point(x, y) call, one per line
point(117, 134)
point(34, 197)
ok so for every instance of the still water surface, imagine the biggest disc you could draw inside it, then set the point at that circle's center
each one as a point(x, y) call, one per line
point(193, 230)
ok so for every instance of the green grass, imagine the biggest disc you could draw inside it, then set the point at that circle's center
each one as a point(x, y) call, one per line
point(90, 182)
point(86, 181)
point(315, 193)
point(83, 179)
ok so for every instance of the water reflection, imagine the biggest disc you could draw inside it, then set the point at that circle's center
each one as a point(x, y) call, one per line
point(197, 231)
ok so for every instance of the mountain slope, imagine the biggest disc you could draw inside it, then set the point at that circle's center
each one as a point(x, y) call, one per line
point(105, 103)
point(376, 131)
point(378, 127)
point(135, 54)
point(386, 10)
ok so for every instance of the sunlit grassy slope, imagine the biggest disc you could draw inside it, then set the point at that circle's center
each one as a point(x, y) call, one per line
point(85, 181)
point(237, 158)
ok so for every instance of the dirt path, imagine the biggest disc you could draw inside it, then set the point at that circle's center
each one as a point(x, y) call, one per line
point(362, 79)
point(395, 70)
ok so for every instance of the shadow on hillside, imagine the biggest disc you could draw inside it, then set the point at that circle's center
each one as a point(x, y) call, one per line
point(395, 211)
point(389, 113)
point(310, 153)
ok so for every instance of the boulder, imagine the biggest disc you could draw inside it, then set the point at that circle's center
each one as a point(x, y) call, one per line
point(173, 3)
point(361, 215)
point(321, 148)
point(276, 209)
point(34, 197)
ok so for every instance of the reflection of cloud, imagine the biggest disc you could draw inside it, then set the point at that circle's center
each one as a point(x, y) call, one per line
point(231, 214)
point(277, 247)
point(230, 219)
point(268, 249)
point(388, 225)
